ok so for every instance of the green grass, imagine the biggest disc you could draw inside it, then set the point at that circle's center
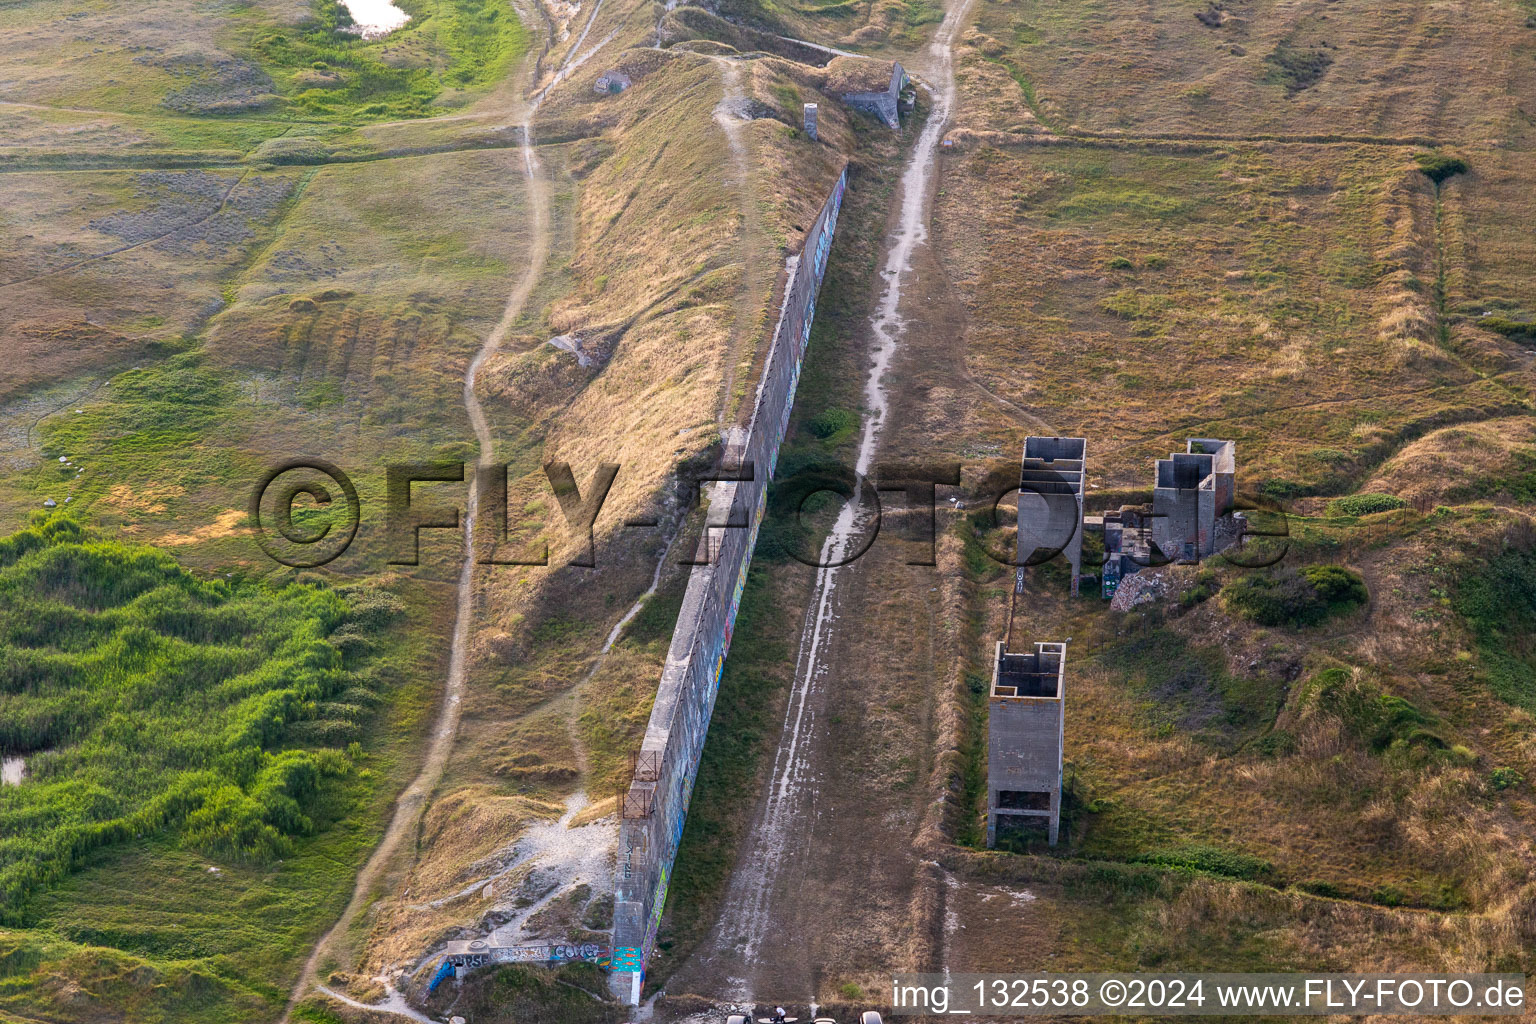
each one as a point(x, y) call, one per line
point(155, 703)
point(158, 409)
point(1212, 860)
point(1296, 598)
point(327, 72)
point(1498, 601)
point(1186, 687)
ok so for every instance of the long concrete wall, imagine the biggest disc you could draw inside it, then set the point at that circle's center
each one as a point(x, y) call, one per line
point(657, 802)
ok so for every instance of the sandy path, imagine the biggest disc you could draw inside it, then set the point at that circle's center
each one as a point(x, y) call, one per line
point(747, 947)
point(413, 801)
point(730, 114)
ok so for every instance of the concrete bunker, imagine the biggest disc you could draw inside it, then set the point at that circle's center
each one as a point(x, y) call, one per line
point(872, 86)
point(1025, 730)
point(612, 82)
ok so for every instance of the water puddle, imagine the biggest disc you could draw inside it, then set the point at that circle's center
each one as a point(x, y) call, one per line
point(374, 19)
point(12, 771)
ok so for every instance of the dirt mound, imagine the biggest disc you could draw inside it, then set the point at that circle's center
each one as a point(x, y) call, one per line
point(1495, 459)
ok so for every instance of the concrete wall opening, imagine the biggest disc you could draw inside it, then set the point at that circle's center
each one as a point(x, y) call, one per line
point(1021, 800)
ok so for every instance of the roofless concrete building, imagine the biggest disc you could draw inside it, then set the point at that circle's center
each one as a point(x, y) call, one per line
point(1025, 728)
point(1051, 500)
point(1194, 489)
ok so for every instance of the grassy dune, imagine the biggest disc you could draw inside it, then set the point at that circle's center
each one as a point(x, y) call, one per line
point(218, 736)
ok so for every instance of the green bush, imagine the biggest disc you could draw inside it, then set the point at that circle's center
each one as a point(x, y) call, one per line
point(1278, 743)
point(149, 701)
point(1437, 167)
point(1497, 598)
point(1388, 896)
point(1520, 330)
point(1365, 504)
point(1276, 487)
point(1206, 587)
point(1296, 598)
point(1505, 778)
point(1377, 719)
point(834, 425)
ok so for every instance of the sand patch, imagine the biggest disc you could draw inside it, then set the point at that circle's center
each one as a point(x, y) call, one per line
point(226, 525)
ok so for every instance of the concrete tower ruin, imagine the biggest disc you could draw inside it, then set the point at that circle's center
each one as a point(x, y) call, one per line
point(1051, 499)
point(1025, 728)
point(1194, 488)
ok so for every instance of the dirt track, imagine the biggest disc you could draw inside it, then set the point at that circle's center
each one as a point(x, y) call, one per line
point(413, 801)
point(828, 888)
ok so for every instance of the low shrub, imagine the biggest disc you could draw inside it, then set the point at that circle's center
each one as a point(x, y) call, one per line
point(1378, 720)
point(1520, 330)
point(1505, 778)
point(1296, 598)
point(1297, 68)
point(834, 425)
point(1206, 587)
point(1365, 504)
point(1212, 860)
point(149, 701)
point(1437, 167)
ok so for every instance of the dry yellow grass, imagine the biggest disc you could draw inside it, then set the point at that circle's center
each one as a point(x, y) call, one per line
point(1161, 229)
point(1474, 461)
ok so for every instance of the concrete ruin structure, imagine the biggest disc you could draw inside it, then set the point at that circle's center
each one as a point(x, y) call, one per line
point(1025, 730)
point(1191, 516)
point(1194, 489)
point(810, 121)
point(1051, 500)
point(612, 81)
point(871, 86)
point(1127, 545)
point(655, 808)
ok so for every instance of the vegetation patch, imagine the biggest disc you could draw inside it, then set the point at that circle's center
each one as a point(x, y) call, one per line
point(1498, 601)
point(453, 44)
point(1213, 860)
point(1296, 597)
point(1186, 688)
point(1437, 167)
point(1297, 67)
point(1510, 327)
point(1365, 504)
point(1378, 720)
point(834, 425)
point(152, 702)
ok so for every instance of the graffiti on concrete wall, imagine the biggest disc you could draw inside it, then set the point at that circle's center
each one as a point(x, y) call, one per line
point(655, 809)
